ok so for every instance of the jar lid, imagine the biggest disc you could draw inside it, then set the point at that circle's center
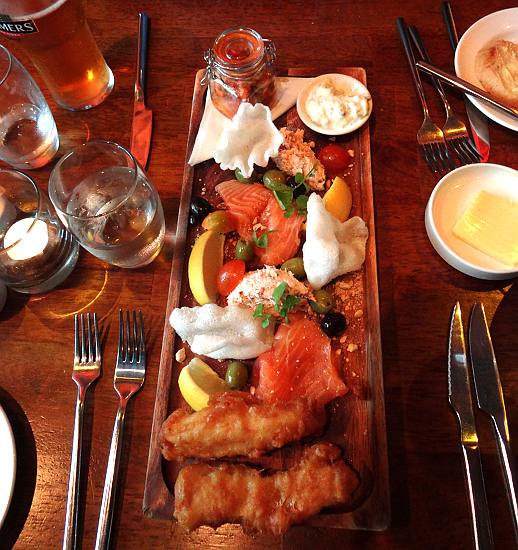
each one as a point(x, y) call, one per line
point(238, 47)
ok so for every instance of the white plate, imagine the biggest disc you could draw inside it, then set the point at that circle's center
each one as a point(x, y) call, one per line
point(7, 464)
point(501, 25)
point(448, 201)
point(343, 82)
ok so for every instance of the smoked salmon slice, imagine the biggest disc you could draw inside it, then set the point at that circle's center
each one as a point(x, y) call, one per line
point(283, 234)
point(245, 203)
point(300, 364)
point(254, 204)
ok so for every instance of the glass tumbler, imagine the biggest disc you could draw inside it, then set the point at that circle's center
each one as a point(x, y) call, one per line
point(106, 200)
point(36, 252)
point(56, 36)
point(28, 135)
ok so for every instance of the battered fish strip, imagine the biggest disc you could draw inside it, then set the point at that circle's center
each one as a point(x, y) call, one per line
point(237, 424)
point(231, 493)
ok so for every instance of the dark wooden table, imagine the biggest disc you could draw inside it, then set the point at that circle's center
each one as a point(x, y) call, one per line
point(417, 289)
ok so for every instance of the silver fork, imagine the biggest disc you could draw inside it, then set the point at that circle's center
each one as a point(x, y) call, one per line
point(129, 377)
point(454, 130)
point(87, 368)
point(430, 137)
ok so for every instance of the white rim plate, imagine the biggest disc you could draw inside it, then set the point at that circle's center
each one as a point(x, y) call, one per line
point(448, 201)
point(500, 25)
point(344, 82)
point(7, 464)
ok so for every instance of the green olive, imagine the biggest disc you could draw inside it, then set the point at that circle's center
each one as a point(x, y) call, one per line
point(236, 376)
point(275, 180)
point(296, 266)
point(244, 251)
point(219, 220)
point(243, 179)
point(323, 301)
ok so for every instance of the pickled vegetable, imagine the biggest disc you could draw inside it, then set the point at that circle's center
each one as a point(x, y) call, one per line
point(323, 301)
point(244, 250)
point(274, 180)
point(296, 266)
point(243, 179)
point(220, 221)
point(236, 376)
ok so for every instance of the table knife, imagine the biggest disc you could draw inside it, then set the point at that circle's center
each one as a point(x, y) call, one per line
point(491, 399)
point(477, 120)
point(466, 87)
point(142, 116)
point(459, 393)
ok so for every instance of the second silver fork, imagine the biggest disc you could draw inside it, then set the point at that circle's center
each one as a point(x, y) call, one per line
point(454, 130)
point(430, 137)
point(129, 377)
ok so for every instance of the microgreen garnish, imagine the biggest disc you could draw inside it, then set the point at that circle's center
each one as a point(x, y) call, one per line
point(262, 241)
point(278, 293)
point(302, 204)
point(259, 314)
point(300, 178)
point(284, 303)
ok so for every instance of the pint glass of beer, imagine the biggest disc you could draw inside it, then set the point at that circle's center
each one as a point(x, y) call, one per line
point(56, 36)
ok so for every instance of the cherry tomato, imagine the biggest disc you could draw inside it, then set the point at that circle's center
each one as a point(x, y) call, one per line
point(229, 276)
point(335, 159)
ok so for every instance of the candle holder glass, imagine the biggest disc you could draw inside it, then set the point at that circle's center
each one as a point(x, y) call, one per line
point(36, 252)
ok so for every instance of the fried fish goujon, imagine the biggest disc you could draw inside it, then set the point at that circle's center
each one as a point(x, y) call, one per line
point(237, 424)
point(228, 493)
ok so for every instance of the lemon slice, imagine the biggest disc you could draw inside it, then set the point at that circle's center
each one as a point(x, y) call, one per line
point(204, 263)
point(197, 382)
point(338, 199)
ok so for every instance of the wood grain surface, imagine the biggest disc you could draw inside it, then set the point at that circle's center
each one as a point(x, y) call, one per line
point(416, 288)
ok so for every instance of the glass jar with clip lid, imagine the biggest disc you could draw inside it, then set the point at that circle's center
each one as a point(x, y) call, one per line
point(240, 68)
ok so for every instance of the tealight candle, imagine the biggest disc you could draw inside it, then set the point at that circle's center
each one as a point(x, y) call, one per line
point(32, 236)
point(36, 252)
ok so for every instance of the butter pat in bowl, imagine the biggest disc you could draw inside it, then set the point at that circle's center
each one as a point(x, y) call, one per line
point(472, 220)
point(334, 104)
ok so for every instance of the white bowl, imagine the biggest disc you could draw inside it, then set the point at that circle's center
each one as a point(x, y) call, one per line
point(448, 201)
point(343, 82)
point(500, 25)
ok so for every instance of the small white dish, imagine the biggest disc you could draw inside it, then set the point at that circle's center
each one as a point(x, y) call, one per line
point(343, 82)
point(500, 25)
point(7, 464)
point(448, 201)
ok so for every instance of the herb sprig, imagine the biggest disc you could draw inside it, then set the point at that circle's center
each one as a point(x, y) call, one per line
point(285, 194)
point(260, 241)
point(260, 314)
point(283, 303)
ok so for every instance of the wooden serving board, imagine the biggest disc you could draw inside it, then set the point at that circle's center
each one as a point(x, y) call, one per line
point(357, 420)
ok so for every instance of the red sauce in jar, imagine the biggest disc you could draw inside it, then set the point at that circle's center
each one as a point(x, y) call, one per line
point(240, 69)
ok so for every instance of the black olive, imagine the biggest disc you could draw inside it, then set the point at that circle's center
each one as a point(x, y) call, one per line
point(298, 188)
point(333, 324)
point(200, 208)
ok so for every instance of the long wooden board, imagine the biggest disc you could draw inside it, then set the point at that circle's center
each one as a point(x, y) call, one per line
point(358, 419)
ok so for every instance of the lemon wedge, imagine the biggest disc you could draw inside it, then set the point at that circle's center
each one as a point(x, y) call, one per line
point(204, 263)
point(338, 199)
point(197, 382)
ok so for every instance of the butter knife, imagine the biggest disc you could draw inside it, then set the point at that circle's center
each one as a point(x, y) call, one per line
point(466, 87)
point(491, 399)
point(142, 125)
point(477, 120)
point(459, 393)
